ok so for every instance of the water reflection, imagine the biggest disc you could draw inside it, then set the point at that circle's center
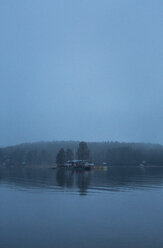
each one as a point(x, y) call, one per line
point(115, 179)
point(74, 178)
point(43, 208)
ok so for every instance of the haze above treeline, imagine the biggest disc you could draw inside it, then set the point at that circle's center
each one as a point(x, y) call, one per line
point(81, 70)
point(112, 153)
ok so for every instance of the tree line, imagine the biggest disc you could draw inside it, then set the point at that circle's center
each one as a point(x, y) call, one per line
point(113, 153)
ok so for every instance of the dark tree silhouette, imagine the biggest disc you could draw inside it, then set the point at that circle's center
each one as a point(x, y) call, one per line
point(69, 154)
point(83, 152)
point(61, 158)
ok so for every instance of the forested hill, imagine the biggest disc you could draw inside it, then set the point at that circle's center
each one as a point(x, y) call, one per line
point(112, 153)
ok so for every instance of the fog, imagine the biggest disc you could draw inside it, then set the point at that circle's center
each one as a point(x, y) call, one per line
point(81, 70)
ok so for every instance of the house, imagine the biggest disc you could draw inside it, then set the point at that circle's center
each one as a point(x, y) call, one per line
point(79, 164)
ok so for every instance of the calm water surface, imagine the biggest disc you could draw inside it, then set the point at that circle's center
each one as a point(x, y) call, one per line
point(121, 207)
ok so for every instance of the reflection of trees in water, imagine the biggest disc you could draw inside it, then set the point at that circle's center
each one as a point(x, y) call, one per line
point(116, 178)
point(73, 178)
point(65, 178)
point(28, 177)
point(83, 181)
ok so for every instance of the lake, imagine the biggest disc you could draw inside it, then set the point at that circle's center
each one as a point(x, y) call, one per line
point(45, 208)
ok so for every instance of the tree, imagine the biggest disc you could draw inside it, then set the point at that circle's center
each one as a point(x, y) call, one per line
point(1, 156)
point(61, 158)
point(83, 152)
point(69, 155)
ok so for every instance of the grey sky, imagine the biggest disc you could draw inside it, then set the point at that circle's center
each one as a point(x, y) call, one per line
point(81, 70)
